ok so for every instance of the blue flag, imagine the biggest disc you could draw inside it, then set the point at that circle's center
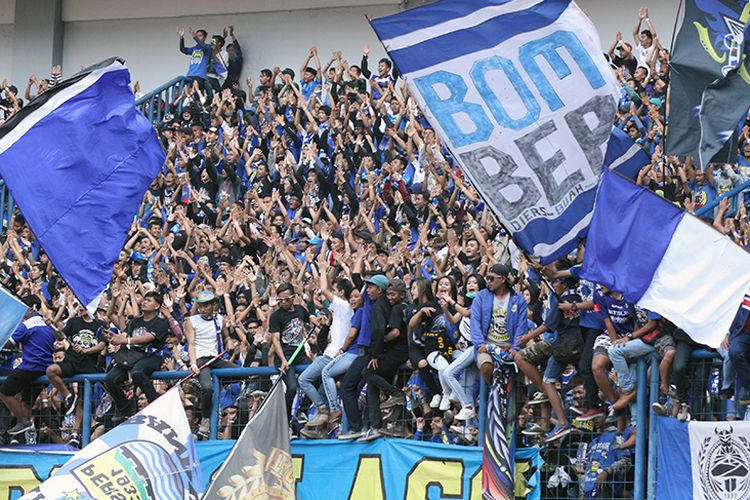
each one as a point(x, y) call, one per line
point(522, 96)
point(664, 259)
point(78, 160)
point(11, 314)
point(152, 455)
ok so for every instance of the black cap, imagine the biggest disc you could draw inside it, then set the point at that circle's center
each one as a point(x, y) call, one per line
point(500, 270)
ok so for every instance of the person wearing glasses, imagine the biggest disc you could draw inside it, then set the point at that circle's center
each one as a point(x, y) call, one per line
point(288, 326)
point(498, 317)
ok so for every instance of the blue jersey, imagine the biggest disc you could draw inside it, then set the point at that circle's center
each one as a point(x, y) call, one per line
point(37, 343)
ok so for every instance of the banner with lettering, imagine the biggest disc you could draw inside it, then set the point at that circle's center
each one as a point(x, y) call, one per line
point(386, 468)
point(520, 93)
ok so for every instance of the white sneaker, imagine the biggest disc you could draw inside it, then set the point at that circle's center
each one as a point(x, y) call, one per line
point(453, 398)
point(436, 400)
point(466, 413)
point(445, 404)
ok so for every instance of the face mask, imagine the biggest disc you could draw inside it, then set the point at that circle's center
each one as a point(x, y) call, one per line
point(471, 295)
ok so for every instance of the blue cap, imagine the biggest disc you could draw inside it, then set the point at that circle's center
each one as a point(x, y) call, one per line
point(379, 280)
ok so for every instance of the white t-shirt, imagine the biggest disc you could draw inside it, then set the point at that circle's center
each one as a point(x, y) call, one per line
point(340, 324)
point(206, 338)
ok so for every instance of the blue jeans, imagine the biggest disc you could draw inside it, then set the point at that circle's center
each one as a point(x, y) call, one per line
point(311, 375)
point(338, 366)
point(619, 354)
point(462, 361)
point(739, 345)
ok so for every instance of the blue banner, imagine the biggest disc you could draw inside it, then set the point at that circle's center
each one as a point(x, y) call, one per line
point(384, 469)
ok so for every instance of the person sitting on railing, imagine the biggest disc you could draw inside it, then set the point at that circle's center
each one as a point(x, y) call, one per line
point(37, 341)
point(138, 354)
point(200, 55)
point(207, 337)
point(85, 342)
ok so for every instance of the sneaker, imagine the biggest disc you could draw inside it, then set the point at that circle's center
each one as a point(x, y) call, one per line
point(538, 398)
point(321, 418)
point(351, 435)
point(69, 403)
point(445, 404)
point(453, 398)
point(590, 414)
point(682, 415)
point(660, 409)
point(20, 428)
point(611, 417)
point(75, 440)
point(370, 435)
point(559, 431)
point(466, 413)
point(532, 429)
point(392, 401)
point(434, 403)
point(14, 441)
point(457, 429)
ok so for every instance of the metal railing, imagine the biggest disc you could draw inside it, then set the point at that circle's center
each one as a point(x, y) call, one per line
point(156, 103)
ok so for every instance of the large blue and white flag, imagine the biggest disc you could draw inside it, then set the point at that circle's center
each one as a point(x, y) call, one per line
point(150, 456)
point(702, 460)
point(665, 260)
point(78, 160)
point(521, 94)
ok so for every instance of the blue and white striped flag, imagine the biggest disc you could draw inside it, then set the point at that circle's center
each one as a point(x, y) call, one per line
point(521, 94)
point(78, 160)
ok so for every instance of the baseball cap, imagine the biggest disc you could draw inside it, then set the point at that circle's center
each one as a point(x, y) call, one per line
point(500, 270)
point(205, 296)
point(379, 280)
point(397, 285)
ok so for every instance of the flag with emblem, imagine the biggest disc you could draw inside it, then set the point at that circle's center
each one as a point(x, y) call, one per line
point(260, 463)
point(702, 460)
point(149, 456)
point(709, 77)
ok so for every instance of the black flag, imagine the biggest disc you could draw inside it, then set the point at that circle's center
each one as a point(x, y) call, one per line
point(709, 78)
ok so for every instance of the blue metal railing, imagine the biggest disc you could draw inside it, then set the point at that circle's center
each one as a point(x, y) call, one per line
point(217, 374)
point(734, 192)
point(645, 480)
point(156, 103)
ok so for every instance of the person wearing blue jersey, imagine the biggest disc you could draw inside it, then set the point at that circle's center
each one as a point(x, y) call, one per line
point(37, 341)
point(200, 54)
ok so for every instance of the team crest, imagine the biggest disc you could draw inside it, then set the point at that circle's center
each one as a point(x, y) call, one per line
point(724, 464)
point(724, 36)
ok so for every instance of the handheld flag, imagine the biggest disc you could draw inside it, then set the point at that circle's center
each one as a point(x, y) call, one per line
point(665, 260)
point(709, 78)
point(523, 97)
point(260, 461)
point(149, 456)
point(11, 314)
point(78, 160)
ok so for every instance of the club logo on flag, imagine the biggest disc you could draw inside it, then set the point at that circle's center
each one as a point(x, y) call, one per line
point(724, 462)
point(723, 37)
point(271, 478)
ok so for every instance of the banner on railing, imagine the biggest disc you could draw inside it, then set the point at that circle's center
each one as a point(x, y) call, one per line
point(386, 468)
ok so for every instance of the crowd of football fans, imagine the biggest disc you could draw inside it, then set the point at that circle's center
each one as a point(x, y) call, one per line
point(312, 218)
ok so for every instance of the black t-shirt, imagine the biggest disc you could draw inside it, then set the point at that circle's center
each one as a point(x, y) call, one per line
point(629, 64)
point(435, 331)
point(470, 265)
point(84, 334)
point(398, 320)
point(158, 327)
point(291, 326)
